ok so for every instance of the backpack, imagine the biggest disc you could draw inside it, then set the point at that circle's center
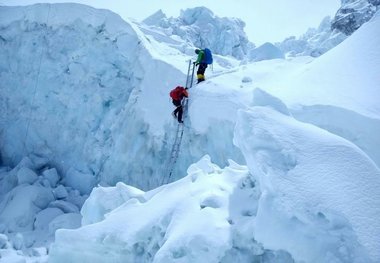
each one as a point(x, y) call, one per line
point(175, 94)
point(208, 56)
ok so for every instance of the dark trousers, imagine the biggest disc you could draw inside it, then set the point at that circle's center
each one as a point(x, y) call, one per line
point(201, 72)
point(178, 111)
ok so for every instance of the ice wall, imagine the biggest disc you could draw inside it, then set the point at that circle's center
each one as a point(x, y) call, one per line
point(86, 79)
point(93, 100)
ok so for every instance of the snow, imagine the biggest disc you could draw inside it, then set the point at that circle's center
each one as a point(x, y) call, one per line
point(294, 175)
point(313, 178)
point(105, 199)
point(352, 14)
point(305, 193)
point(200, 27)
point(195, 219)
point(265, 52)
point(348, 72)
point(315, 42)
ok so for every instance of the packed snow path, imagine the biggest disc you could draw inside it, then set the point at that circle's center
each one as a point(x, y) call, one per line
point(180, 127)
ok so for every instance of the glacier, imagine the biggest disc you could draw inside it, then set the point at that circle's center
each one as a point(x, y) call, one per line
point(279, 160)
point(199, 27)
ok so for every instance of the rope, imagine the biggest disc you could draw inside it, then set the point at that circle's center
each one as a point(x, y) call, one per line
point(36, 83)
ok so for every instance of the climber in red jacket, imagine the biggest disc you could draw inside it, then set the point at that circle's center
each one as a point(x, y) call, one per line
point(177, 96)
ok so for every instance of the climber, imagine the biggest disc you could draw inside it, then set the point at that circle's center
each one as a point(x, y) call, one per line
point(204, 59)
point(177, 95)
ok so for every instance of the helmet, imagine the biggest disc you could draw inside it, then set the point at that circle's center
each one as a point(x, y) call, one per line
point(197, 51)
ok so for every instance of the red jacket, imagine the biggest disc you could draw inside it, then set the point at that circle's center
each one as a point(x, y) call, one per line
point(178, 93)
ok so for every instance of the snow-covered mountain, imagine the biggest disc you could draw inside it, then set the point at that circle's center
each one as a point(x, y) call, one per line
point(199, 27)
point(315, 42)
point(331, 32)
point(353, 14)
point(279, 160)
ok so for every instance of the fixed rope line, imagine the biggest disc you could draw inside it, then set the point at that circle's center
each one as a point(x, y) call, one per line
point(36, 83)
point(180, 128)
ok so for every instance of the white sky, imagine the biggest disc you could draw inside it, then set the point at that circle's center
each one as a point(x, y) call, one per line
point(266, 20)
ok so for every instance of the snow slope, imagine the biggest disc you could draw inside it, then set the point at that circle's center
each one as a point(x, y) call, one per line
point(346, 75)
point(337, 91)
point(311, 181)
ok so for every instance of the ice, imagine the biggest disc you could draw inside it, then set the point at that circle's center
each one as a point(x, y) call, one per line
point(80, 181)
point(331, 31)
point(201, 220)
point(105, 199)
point(177, 228)
point(60, 192)
point(352, 14)
point(315, 42)
point(26, 212)
point(18, 241)
point(44, 217)
point(28, 199)
point(65, 221)
point(52, 176)
point(12, 256)
point(201, 28)
point(119, 73)
point(313, 182)
point(3, 241)
point(26, 176)
point(65, 206)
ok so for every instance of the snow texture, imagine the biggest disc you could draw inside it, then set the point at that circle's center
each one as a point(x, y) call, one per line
point(200, 218)
point(313, 184)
